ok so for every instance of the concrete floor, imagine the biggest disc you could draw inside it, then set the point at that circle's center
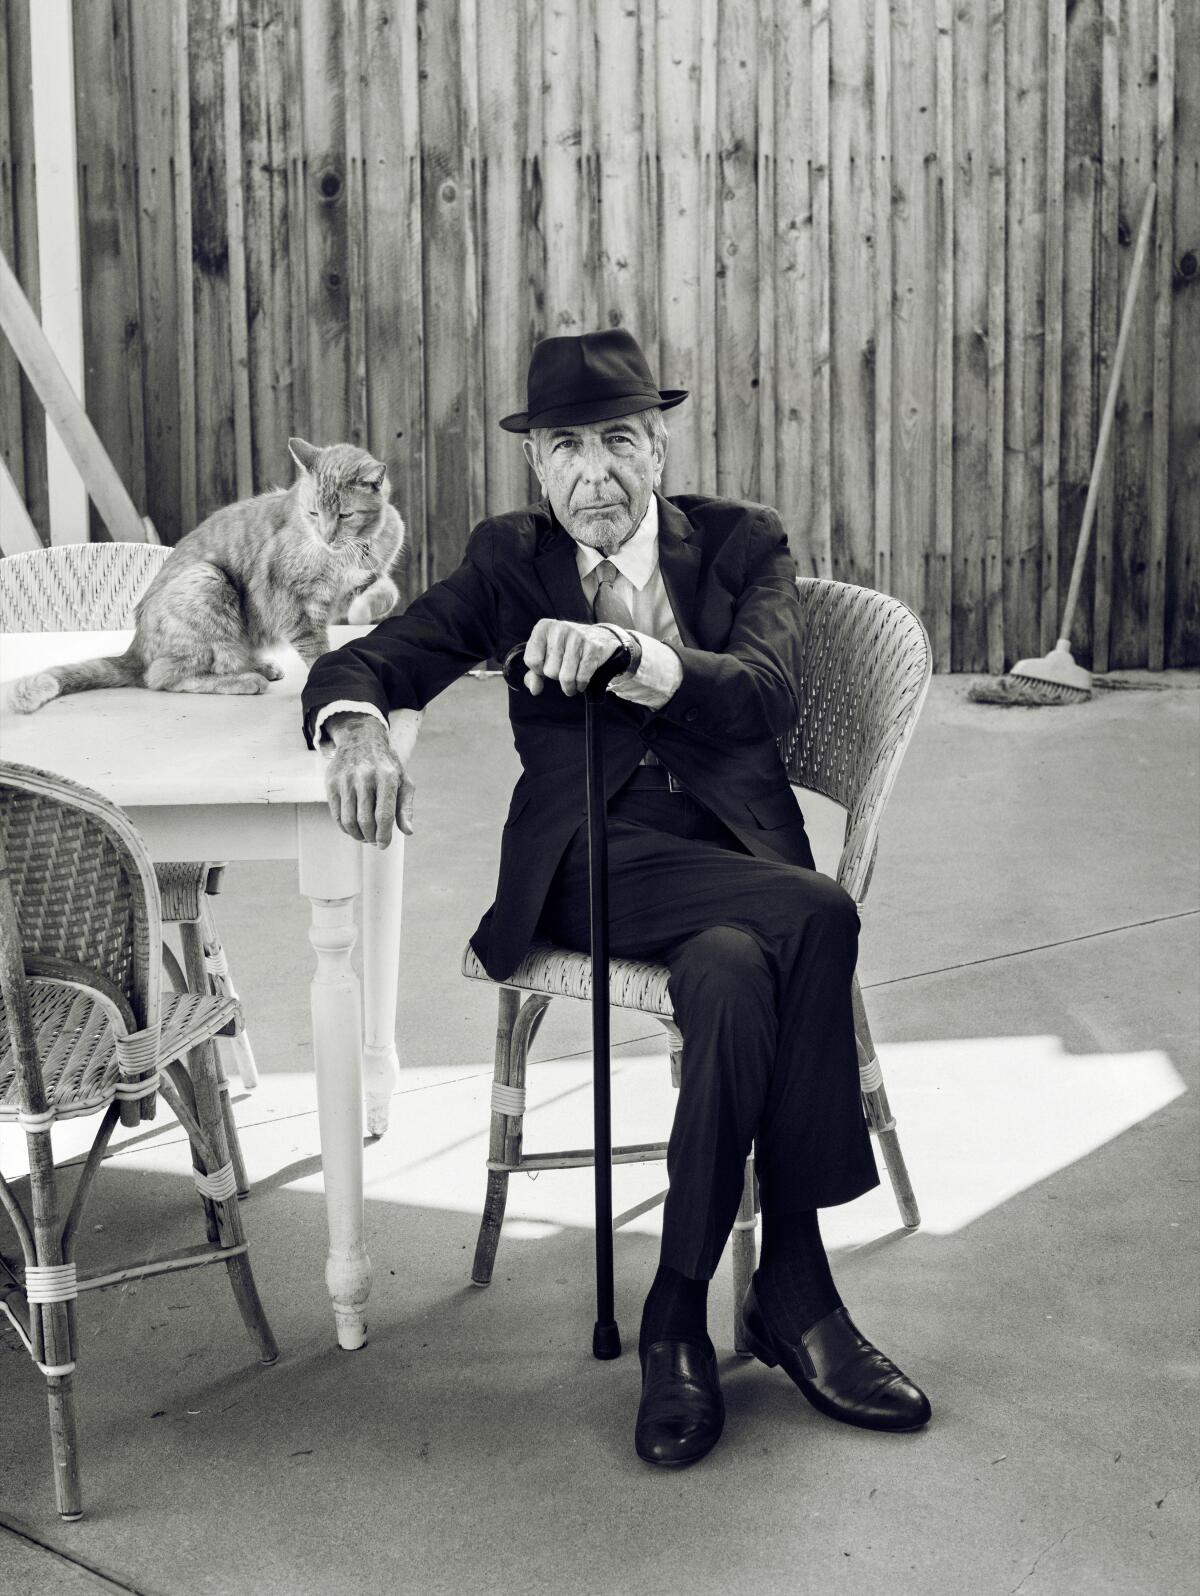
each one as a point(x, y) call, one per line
point(1030, 955)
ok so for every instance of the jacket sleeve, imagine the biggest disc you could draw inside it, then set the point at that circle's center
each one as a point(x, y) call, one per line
point(747, 690)
point(408, 659)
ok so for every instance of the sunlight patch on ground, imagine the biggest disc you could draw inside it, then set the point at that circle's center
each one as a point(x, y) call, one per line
point(980, 1120)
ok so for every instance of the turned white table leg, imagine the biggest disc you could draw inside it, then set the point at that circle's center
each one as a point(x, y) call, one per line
point(383, 886)
point(329, 865)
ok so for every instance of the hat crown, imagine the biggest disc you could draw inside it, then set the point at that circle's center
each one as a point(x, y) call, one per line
point(588, 377)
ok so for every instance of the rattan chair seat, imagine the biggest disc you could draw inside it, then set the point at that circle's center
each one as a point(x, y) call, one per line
point(558, 972)
point(77, 1043)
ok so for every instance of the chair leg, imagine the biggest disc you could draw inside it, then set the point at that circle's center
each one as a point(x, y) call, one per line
point(64, 1446)
point(217, 967)
point(879, 1115)
point(516, 1026)
point(745, 1255)
point(222, 1214)
point(193, 938)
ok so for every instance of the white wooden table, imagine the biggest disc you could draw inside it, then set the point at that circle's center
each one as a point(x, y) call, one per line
point(230, 778)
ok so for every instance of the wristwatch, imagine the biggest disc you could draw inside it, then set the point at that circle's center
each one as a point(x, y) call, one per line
point(631, 641)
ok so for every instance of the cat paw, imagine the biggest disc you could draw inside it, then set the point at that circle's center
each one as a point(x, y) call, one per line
point(269, 669)
point(245, 682)
point(31, 692)
point(378, 600)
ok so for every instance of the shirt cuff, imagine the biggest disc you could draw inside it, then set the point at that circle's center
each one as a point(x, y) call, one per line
point(342, 706)
point(657, 677)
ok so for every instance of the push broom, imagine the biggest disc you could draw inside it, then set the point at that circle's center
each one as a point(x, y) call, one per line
point(1056, 678)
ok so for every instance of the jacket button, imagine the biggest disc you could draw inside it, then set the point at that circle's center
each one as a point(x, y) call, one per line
point(690, 715)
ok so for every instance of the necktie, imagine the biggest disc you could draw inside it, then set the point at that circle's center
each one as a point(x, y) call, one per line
point(607, 605)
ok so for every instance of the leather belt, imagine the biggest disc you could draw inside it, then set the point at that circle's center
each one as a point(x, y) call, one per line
point(653, 778)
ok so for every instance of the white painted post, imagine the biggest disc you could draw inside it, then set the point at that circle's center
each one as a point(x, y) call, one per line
point(53, 65)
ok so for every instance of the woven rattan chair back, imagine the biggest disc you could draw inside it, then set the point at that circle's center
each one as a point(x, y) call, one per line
point(84, 889)
point(864, 675)
point(76, 587)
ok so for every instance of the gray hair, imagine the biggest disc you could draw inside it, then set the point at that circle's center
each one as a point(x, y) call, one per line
point(651, 421)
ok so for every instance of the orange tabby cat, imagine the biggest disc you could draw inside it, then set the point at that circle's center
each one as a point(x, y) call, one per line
point(274, 569)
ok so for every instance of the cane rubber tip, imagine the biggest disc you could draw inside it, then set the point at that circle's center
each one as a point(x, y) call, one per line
point(606, 1341)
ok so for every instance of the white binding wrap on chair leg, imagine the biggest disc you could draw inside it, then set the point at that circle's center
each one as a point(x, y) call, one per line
point(137, 1060)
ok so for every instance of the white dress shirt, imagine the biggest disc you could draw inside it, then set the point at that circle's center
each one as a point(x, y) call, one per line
point(640, 585)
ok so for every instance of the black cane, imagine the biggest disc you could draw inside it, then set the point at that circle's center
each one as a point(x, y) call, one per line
point(606, 1337)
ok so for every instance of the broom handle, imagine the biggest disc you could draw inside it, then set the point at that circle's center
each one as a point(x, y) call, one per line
point(1106, 420)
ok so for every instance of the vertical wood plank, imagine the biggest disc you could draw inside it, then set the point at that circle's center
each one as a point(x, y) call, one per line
point(1106, 316)
point(181, 191)
point(1056, 113)
point(997, 399)
point(395, 305)
point(914, 92)
point(356, 225)
point(298, 207)
point(939, 582)
point(447, 214)
point(708, 156)
point(1164, 251)
point(267, 106)
point(53, 67)
point(793, 266)
point(852, 267)
point(25, 260)
point(322, 64)
point(881, 112)
point(108, 242)
point(216, 464)
point(157, 291)
point(681, 266)
point(505, 324)
point(735, 266)
point(969, 501)
point(625, 263)
point(1132, 427)
point(1183, 512)
point(1025, 128)
point(235, 228)
point(569, 207)
point(12, 452)
point(764, 410)
point(470, 332)
point(1080, 399)
point(822, 507)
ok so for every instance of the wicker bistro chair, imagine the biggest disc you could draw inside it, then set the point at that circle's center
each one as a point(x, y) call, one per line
point(85, 1030)
point(863, 680)
point(95, 587)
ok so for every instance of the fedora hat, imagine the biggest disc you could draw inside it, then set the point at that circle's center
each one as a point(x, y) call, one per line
point(589, 378)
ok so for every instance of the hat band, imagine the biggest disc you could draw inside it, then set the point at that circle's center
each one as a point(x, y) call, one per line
point(645, 398)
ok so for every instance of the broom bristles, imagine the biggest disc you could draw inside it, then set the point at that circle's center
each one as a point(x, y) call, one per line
point(1025, 692)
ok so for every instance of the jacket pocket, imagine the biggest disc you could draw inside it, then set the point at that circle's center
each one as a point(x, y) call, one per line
point(775, 809)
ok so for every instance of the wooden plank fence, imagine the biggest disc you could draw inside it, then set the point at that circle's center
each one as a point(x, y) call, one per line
point(885, 243)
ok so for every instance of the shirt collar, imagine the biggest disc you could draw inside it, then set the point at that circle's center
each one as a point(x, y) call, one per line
point(636, 559)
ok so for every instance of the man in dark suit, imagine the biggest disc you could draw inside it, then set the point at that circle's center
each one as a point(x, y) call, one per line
point(710, 866)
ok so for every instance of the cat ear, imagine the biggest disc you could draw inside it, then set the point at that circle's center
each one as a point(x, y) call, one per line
point(373, 474)
point(304, 454)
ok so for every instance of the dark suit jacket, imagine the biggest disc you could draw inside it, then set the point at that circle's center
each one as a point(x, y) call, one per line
point(731, 581)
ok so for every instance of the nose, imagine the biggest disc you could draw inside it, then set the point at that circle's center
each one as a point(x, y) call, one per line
point(595, 461)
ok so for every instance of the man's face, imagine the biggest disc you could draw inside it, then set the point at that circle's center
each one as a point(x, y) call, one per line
point(598, 476)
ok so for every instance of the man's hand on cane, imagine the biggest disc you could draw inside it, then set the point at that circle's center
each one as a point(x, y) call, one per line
point(368, 791)
point(567, 652)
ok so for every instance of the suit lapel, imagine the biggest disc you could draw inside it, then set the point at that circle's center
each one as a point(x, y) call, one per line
point(679, 561)
point(559, 575)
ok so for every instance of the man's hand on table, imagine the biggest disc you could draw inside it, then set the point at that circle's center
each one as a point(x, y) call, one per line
point(365, 783)
point(566, 652)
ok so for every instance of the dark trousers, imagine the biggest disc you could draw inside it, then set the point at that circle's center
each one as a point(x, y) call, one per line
point(761, 957)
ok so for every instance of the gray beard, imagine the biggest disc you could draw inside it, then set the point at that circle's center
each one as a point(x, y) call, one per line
point(603, 535)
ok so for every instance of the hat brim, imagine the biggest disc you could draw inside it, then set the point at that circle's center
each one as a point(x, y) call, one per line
point(574, 415)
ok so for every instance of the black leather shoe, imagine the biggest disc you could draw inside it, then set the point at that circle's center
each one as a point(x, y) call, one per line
point(682, 1411)
point(839, 1371)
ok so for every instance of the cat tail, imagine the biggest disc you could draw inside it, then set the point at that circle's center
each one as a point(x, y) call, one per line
point(31, 692)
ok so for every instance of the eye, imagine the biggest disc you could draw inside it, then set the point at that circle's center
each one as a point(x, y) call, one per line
point(344, 515)
point(564, 443)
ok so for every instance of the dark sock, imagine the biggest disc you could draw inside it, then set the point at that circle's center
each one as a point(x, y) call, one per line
point(794, 1283)
point(676, 1309)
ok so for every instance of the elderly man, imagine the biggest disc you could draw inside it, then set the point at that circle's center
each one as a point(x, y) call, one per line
point(710, 867)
